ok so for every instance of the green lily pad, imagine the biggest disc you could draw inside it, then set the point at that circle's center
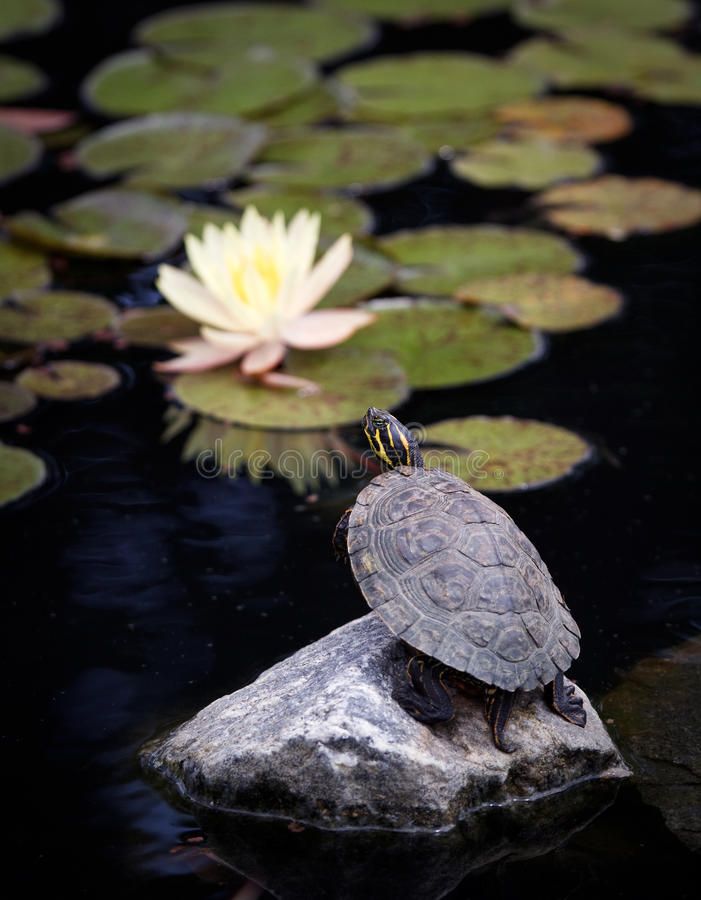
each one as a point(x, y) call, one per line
point(546, 302)
point(585, 119)
point(15, 401)
point(563, 15)
point(21, 269)
point(69, 379)
point(504, 454)
point(527, 162)
point(346, 379)
point(156, 327)
point(318, 104)
point(199, 214)
point(338, 214)
point(141, 81)
point(172, 149)
point(432, 85)
point(329, 158)
point(19, 153)
point(443, 344)
point(21, 472)
point(20, 18)
point(411, 11)
point(19, 79)
point(368, 275)
point(615, 207)
point(447, 137)
point(117, 224)
point(219, 31)
point(440, 259)
point(646, 66)
point(39, 316)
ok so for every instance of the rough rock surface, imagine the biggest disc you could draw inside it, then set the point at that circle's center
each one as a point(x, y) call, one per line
point(319, 739)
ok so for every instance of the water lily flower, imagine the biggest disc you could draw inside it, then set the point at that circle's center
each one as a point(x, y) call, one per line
point(253, 289)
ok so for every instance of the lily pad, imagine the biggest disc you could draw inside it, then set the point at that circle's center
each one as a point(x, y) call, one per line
point(68, 379)
point(338, 214)
point(199, 214)
point(345, 378)
point(21, 472)
point(38, 316)
point(432, 85)
point(546, 302)
point(416, 11)
point(156, 327)
point(15, 401)
point(172, 149)
point(527, 162)
point(318, 104)
point(442, 344)
point(563, 15)
point(504, 454)
point(22, 18)
point(616, 207)
point(440, 259)
point(328, 158)
point(19, 79)
point(446, 137)
point(142, 81)
point(117, 224)
point(21, 269)
point(217, 32)
point(19, 153)
point(584, 119)
point(368, 275)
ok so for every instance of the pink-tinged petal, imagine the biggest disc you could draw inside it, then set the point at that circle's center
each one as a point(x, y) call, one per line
point(303, 386)
point(323, 276)
point(263, 358)
point(325, 328)
point(36, 121)
point(190, 297)
point(231, 340)
point(197, 356)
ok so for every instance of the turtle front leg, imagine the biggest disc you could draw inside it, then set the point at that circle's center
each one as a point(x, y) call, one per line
point(422, 693)
point(497, 709)
point(563, 700)
point(340, 536)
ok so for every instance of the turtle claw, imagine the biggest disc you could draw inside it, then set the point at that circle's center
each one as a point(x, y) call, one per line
point(563, 700)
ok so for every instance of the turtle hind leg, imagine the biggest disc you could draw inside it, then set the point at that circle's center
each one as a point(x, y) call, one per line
point(497, 709)
point(423, 694)
point(340, 537)
point(563, 700)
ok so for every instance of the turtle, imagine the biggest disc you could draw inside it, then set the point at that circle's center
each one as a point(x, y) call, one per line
point(453, 577)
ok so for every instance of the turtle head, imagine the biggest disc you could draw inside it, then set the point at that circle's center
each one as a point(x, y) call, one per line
point(393, 443)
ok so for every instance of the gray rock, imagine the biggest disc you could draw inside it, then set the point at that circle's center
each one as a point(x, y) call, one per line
point(319, 739)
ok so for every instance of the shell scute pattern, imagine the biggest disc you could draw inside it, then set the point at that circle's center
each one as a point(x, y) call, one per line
point(452, 575)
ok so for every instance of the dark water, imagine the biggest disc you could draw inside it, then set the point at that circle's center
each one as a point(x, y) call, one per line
point(137, 591)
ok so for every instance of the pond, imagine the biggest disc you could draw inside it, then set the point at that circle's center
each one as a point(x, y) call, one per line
point(138, 589)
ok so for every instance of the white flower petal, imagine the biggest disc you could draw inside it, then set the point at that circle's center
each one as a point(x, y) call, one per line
point(324, 328)
point(263, 358)
point(197, 356)
point(231, 340)
point(322, 277)
point(191, 298)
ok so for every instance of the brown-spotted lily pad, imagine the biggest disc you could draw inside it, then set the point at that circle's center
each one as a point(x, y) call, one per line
point(116, 224)
point(338, 214)
point(156, 327)
point(563, 15)
point(330, 158)
point(504, 454)
point(21, 472)
point(546, 302)
point(444, 344)
point(432, 85)
point(23, 18)
point(19, 79)
point(69, 379)
point(367, 276)
point(21, 269)
point(249, 83)
point(440, 259)
point(15, 401)
point(216, 32)
point(526, 162)
point(38, 316)
point(172, 149)
point(418, 11)
point(346, 379)
point(585, 119)
point(19, 153)
point(616, 207)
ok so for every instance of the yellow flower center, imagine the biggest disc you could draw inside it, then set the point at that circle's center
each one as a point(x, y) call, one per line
point(265, 266)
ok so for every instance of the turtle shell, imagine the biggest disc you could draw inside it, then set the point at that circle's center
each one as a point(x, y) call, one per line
point(450, 573)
